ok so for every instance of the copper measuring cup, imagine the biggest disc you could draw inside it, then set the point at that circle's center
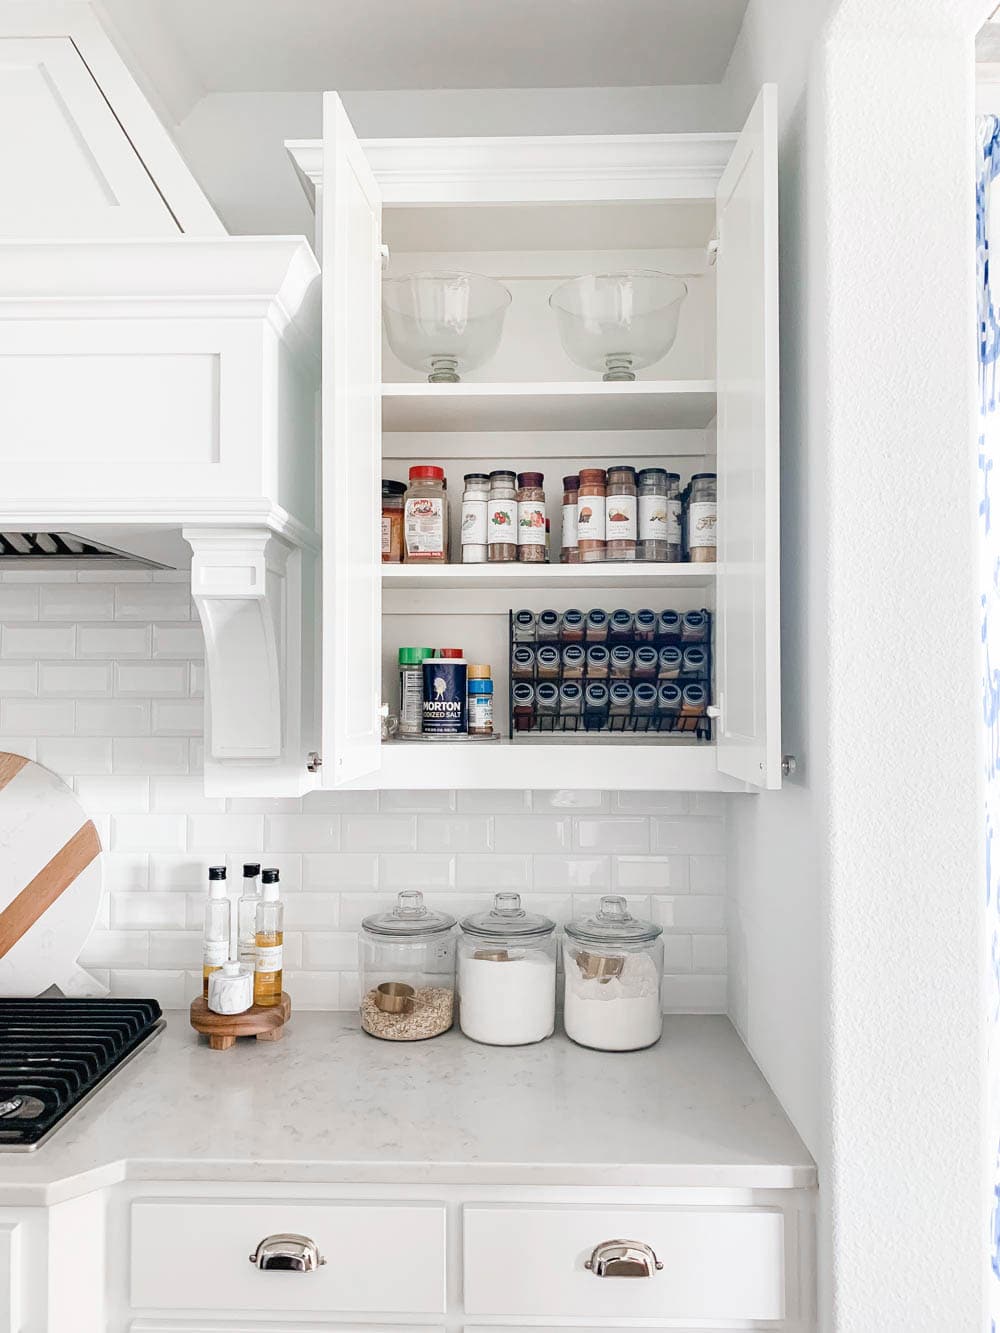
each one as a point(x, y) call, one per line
point(395, 997)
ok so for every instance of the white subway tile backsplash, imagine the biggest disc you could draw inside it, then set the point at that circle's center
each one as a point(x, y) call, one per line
point(313, 911)
point(708, 874)
point(116, 948)
point(314, 990)
point(302, 833)
point(328, 951)
point(217, 834)
point(402, 870)
point(79, 679)
point(153, 601)
point(709, 953)
point(178, 717)
point(453, 833)
point(691, 912)
point(76, 755)
point(175, 948)
point(568, 800)
point(112, 641)
point(76, 601)
point(173, 989)
point(576, 873)
point(416, 802)
point(651, 874)
point(103, 795)
point(532, 833)
point(148, 832)
point(676, 953)
point(150, 755)
point(38, 641)
point(612, 835)
point(178, 641)
point(378, 833)
point(499, 870)
point(184, 795)
point(148, 911)
point(146, 679)
point(492, 802)
point(18, 678)
point(327, 872)
point(694, 994)
point(38, 717)
point(112, 717)
point(18, 601)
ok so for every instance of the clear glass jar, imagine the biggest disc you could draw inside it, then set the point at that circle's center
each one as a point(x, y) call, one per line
point(659, 515)
point(613, 966)
point(507, 974)
point(523, 695)
point(531, 544)
point(591, 512)
point(501, 517)
point(547, 628)
point(621, 519)
point(571, 626)
point(620, 626)
point(569, 553)
point(407, 959)
point(524, 627)
point(702, 514)
point(475, 502)
point(425, 517)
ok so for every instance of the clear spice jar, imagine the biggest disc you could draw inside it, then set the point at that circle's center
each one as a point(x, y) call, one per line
point(621, 700)
point(522, 662)
point(591, 514)
point(621, 520)
point(646, 663)
point(622, 659)
point(546, 700)
point(392, 522)
point(531, 532)
point(523, 695)
point(570, 699)
point(694, 627)
point(548, 627)
point(547, 660)
point(668, 627)
point(501, 517)
point(670, 662)
point(620, 627)
point(598, 662)
point(569, 553)
point(571, 626)
point(596, 702)
point(644, 626)
point(597, 626)
point(507, 974)
point(407, 959)
point(425, 517)
point(475, 502)
point(613, 966)
point(668, 704)
point(524, 627)
point(702, 513)
point(659, 515)
point(573, 659)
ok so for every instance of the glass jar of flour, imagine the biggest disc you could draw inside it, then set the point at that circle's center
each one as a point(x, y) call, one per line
point(507, 974)
point(614, 966)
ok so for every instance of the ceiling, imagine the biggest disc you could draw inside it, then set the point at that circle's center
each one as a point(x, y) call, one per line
point(232, 46)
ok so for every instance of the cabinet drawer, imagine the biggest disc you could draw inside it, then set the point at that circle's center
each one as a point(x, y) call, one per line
point(195, 1255)
point(718, 1263)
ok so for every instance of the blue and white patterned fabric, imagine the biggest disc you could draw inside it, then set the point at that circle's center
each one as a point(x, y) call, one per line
point(987, 226)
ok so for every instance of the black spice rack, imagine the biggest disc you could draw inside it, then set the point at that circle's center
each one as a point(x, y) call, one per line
point(604, 673)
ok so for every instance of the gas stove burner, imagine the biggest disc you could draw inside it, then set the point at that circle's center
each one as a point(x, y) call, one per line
point(56, 1053)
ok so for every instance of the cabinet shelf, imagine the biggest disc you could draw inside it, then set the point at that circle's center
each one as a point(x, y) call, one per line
point(641, 405)
point(605, 575)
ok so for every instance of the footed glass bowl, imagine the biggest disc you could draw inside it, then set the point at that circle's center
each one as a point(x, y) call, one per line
point(618, 323)
point(444, 323)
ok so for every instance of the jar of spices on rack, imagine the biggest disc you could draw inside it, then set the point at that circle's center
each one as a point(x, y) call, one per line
point(570, 552)
point(531, 518)
point(507, 974)
point(425, 517)
point(702, 516)
point(475, 502)
point(621, 514)
point(407, 959)
point(392, 522)
point(501, 517)
point(591, 514)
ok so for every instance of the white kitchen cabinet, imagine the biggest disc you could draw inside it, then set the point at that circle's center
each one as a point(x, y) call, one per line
point(534, 211)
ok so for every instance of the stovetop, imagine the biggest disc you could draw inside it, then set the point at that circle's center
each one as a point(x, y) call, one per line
point(55, 1053)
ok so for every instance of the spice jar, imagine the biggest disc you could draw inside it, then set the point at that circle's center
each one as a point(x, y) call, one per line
point(571, 626)
point(595, 705)
point(524, 627)
point(531, 530)
point(598, 662)
point(668, 704)
point(230, 988)
point(507, 974)
point(570, 551)
point(411, 690)
point(613, 966)
point(659, 515)
point(668, 627)
point(547, 630)
point(620, 627)
point(523, 695)
point(573, 658)
point(644, 703)
point(701, 517)
point(480, 700)
point(425, 517)
point(597, 626)
point(407, 959)
point(546, 700)
point(591, 514)
point(694, 663)
point(547, 662)
point(645, 663)
point(694, 627)
point(621, 514)
point(622, 659)
point(392, 522)
point(694, 701)
point(501, 517)
point(670, 662)
point(522, 662)
point(644, 626)
point(570, 699)
point(621, 700)
point(475, 502)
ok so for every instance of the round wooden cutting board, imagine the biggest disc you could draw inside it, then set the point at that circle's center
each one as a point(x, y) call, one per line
point(50, 881)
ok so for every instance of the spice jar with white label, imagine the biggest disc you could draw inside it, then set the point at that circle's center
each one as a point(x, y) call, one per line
point(501, 517)
point(702, 517)
point(531, 531)
point(392, 522)
point(591, 514)
point(570, 552)
point(425, 517)
point(475, 502)
point(659, 515)
point(507, 974)
point(621, 514)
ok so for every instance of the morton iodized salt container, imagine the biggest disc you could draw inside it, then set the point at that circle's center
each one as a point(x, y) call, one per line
point(445, 696)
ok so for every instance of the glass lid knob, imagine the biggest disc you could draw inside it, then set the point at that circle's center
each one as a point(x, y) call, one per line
point(410, 904)
point(613, 908)
point(507, 904)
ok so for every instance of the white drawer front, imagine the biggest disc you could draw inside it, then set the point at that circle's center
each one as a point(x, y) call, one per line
point(195, 1255)
point(718, 1263)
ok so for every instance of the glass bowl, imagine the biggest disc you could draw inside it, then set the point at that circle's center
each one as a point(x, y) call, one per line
point(444, 323)
point(618, 323)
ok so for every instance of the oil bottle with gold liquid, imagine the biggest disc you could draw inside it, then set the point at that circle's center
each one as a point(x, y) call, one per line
point(269, 944)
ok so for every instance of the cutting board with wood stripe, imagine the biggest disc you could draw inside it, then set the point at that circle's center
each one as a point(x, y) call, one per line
point(50, 881)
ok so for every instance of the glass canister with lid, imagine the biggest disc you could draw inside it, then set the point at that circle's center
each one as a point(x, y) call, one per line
point(614, 966)
point(507, 974)
point(407, 958)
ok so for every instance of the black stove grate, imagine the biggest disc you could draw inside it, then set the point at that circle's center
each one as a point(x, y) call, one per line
point(55, 1052)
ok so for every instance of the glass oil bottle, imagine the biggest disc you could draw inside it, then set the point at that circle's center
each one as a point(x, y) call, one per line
point(246, 918)
point(269, 946)
point(218, 923)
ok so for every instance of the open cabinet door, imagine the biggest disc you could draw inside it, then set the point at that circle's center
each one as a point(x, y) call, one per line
point(747, 630)
point(351, 454)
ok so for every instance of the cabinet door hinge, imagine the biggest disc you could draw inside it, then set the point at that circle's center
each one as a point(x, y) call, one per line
point(313, 762)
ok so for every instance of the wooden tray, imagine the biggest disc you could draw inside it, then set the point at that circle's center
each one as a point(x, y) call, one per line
point(266, 1023)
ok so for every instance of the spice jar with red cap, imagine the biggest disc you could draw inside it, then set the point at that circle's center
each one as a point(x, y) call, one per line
point(531, 543)
point(425, 516)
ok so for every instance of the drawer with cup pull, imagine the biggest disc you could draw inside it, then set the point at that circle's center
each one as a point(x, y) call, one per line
point(678, 1263)
point(288, 1257)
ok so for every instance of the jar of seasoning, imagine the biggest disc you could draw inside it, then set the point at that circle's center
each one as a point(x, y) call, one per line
point(620, 627)
point(622, 659)
point(621, 514)
point(548, 627)
point(524, 705)
point(507, 974)
point(392, 522)
point(591, 514)
point(621, 700)
point(668, 627)
point(670, 662)
point(425, 517)
point(659, 515)
point(644, 703)
point(598, 662)
point(701, 517)
point(570, 552)
point(411, 690)
point(644, 626)
point(475, 502)
point(668, 704)
point(573, 659)
point(646, 663)
point(524, 627)
point(546, 700)
point(480, 700)
point(407, 959)
point(571, 626)
point(613, 966)
point(595, 705)
point(570, 699)
point(694, 627)
point(694, 664)
point(522, 662)
point(531, 518)
point(501, 517)
point(597, 626)
point(694, 701)
point(547, 662)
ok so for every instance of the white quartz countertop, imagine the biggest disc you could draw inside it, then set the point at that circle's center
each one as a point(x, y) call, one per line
point(330, 1104)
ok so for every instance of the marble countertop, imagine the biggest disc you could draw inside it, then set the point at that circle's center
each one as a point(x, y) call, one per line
point(330, 1104)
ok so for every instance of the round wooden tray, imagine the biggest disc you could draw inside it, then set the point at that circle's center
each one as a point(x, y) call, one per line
point(264, 1023)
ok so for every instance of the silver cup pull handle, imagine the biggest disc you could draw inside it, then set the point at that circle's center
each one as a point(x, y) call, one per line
point(623, 1258)
point(293, 1254)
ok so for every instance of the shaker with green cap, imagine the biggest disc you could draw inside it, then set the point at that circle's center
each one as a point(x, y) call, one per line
point(411, 690)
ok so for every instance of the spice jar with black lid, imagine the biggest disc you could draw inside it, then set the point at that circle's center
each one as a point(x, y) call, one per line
point(621, 514)
point(501, 517)
point(571, 626)
point(597, 626)
point(531, 532)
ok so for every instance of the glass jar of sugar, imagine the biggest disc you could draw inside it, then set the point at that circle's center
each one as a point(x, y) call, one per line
point(507, 974)
point(613, 965)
